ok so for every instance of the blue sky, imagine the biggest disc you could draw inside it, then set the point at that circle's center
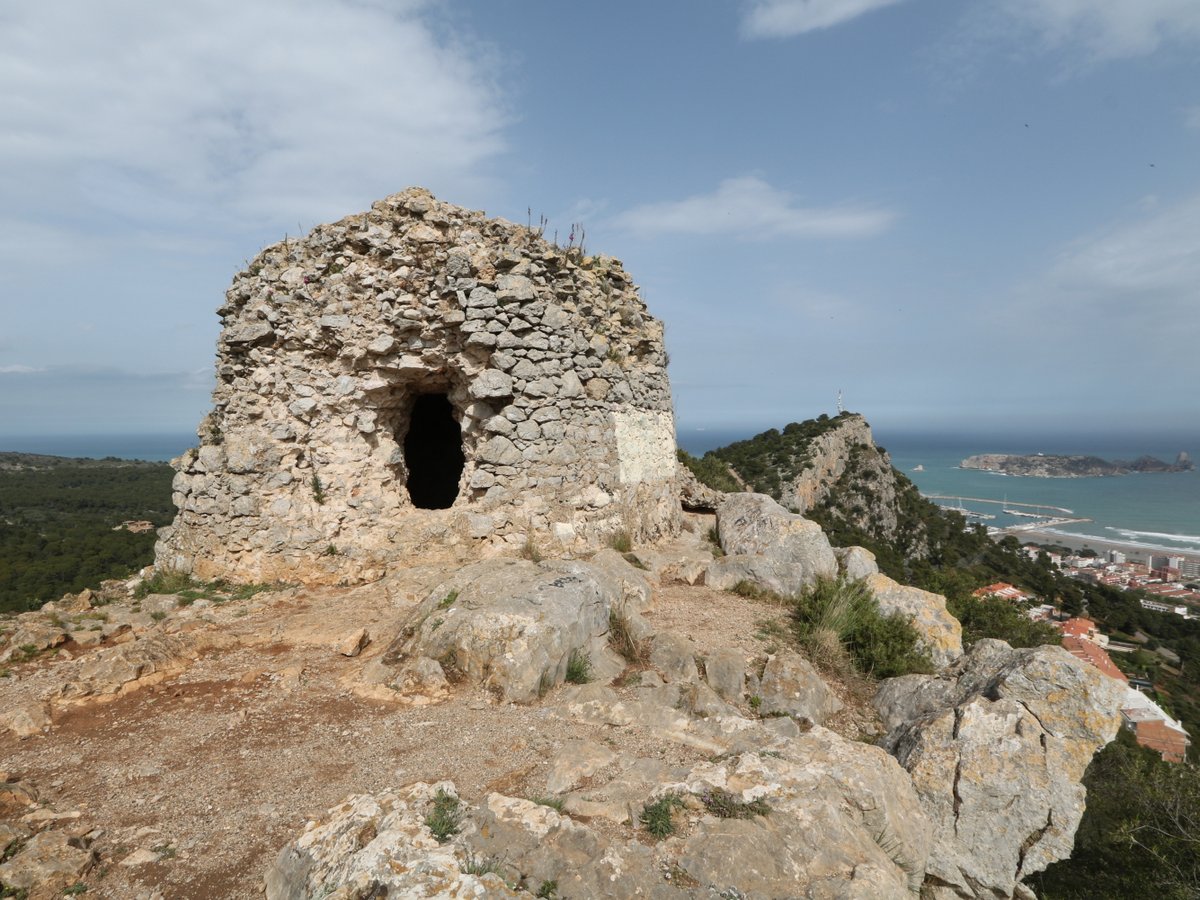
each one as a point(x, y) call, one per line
point(964, 215)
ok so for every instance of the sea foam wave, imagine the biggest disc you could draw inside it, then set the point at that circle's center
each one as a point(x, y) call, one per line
point(1185, 548)
point(1159, 535)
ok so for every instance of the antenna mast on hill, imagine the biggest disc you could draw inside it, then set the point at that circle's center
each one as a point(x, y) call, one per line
point(841, 408)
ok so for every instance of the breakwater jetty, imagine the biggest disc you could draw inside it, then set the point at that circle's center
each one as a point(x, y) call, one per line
point(1056, 515)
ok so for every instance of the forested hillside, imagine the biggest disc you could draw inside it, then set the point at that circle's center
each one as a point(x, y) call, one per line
point(57, 520)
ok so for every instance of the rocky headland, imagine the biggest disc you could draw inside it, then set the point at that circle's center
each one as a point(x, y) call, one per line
point(831, 470)
point(1049, 466)
point(552, 682)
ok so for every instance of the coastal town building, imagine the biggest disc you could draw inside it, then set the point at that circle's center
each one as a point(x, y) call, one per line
point(1084, 629)
point(1150, 724)
point(1002, 590)
point(1153, 728)
point(1167, 596)
point(1093, 654)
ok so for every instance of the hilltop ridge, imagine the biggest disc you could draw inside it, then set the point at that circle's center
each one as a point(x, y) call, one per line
point(831, 470)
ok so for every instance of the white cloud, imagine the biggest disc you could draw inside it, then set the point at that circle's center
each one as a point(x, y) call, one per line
point(1132, 290)
point(1108, 29)
point(257, 113)
point(18, 369)
point(1157, 258)
point(749, 208)
point(787, 18)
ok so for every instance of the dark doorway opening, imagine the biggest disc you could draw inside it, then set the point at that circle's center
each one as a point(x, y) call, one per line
point(433, 452)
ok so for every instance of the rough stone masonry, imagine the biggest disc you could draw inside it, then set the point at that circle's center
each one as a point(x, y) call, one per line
point(421, 379)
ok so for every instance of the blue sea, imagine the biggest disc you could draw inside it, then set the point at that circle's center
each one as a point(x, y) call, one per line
point(150, 447)
point(1145, 510)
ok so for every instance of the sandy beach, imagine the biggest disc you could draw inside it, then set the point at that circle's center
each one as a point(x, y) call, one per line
point(1134, 552)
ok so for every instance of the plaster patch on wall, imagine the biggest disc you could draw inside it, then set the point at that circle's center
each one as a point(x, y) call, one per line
point(645, 445)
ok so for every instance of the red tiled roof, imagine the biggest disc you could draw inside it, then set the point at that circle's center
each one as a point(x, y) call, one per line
point(1161, 737)
point(1090, 653)
point(1000, 589)
point(1078, 627)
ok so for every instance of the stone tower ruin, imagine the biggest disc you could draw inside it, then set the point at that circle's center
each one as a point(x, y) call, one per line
point(420, 380)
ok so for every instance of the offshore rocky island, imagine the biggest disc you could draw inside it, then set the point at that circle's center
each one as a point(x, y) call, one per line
point(441, 615)
point(1041, 465)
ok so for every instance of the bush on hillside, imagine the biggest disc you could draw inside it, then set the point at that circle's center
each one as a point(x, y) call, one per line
point(1140, 835)
point(841, 627)
point(992, 618)
point(710, 471)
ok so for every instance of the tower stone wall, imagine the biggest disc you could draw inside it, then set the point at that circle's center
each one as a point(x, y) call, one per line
point(547, 420)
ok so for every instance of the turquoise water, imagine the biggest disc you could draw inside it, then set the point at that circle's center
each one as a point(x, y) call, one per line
point(1151, 509)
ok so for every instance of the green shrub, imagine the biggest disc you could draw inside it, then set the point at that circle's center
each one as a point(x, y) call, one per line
point(752, 591)
point(555, 803)
point(579, 667)
point(481, 865)
point(995, 618)
point(445, 819)
point(17, 845)
point(1140, 835)
point(547, 890)
point(656, 816)
point(725, 805)
point(840, 626)
point(620, 541)
point(56, 525)
point(621, 639)
point(710, 470)
point(164, 581)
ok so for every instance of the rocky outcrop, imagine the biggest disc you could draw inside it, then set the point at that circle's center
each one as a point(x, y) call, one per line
point(768, 546)
point(45, 865)
point(695, 495)
point(996, 747)
point(421, 378)
point(856, 562)
point(516, 626)
point(810, 816)
point(827, 457)
point(940, 633)
point(791, 685)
